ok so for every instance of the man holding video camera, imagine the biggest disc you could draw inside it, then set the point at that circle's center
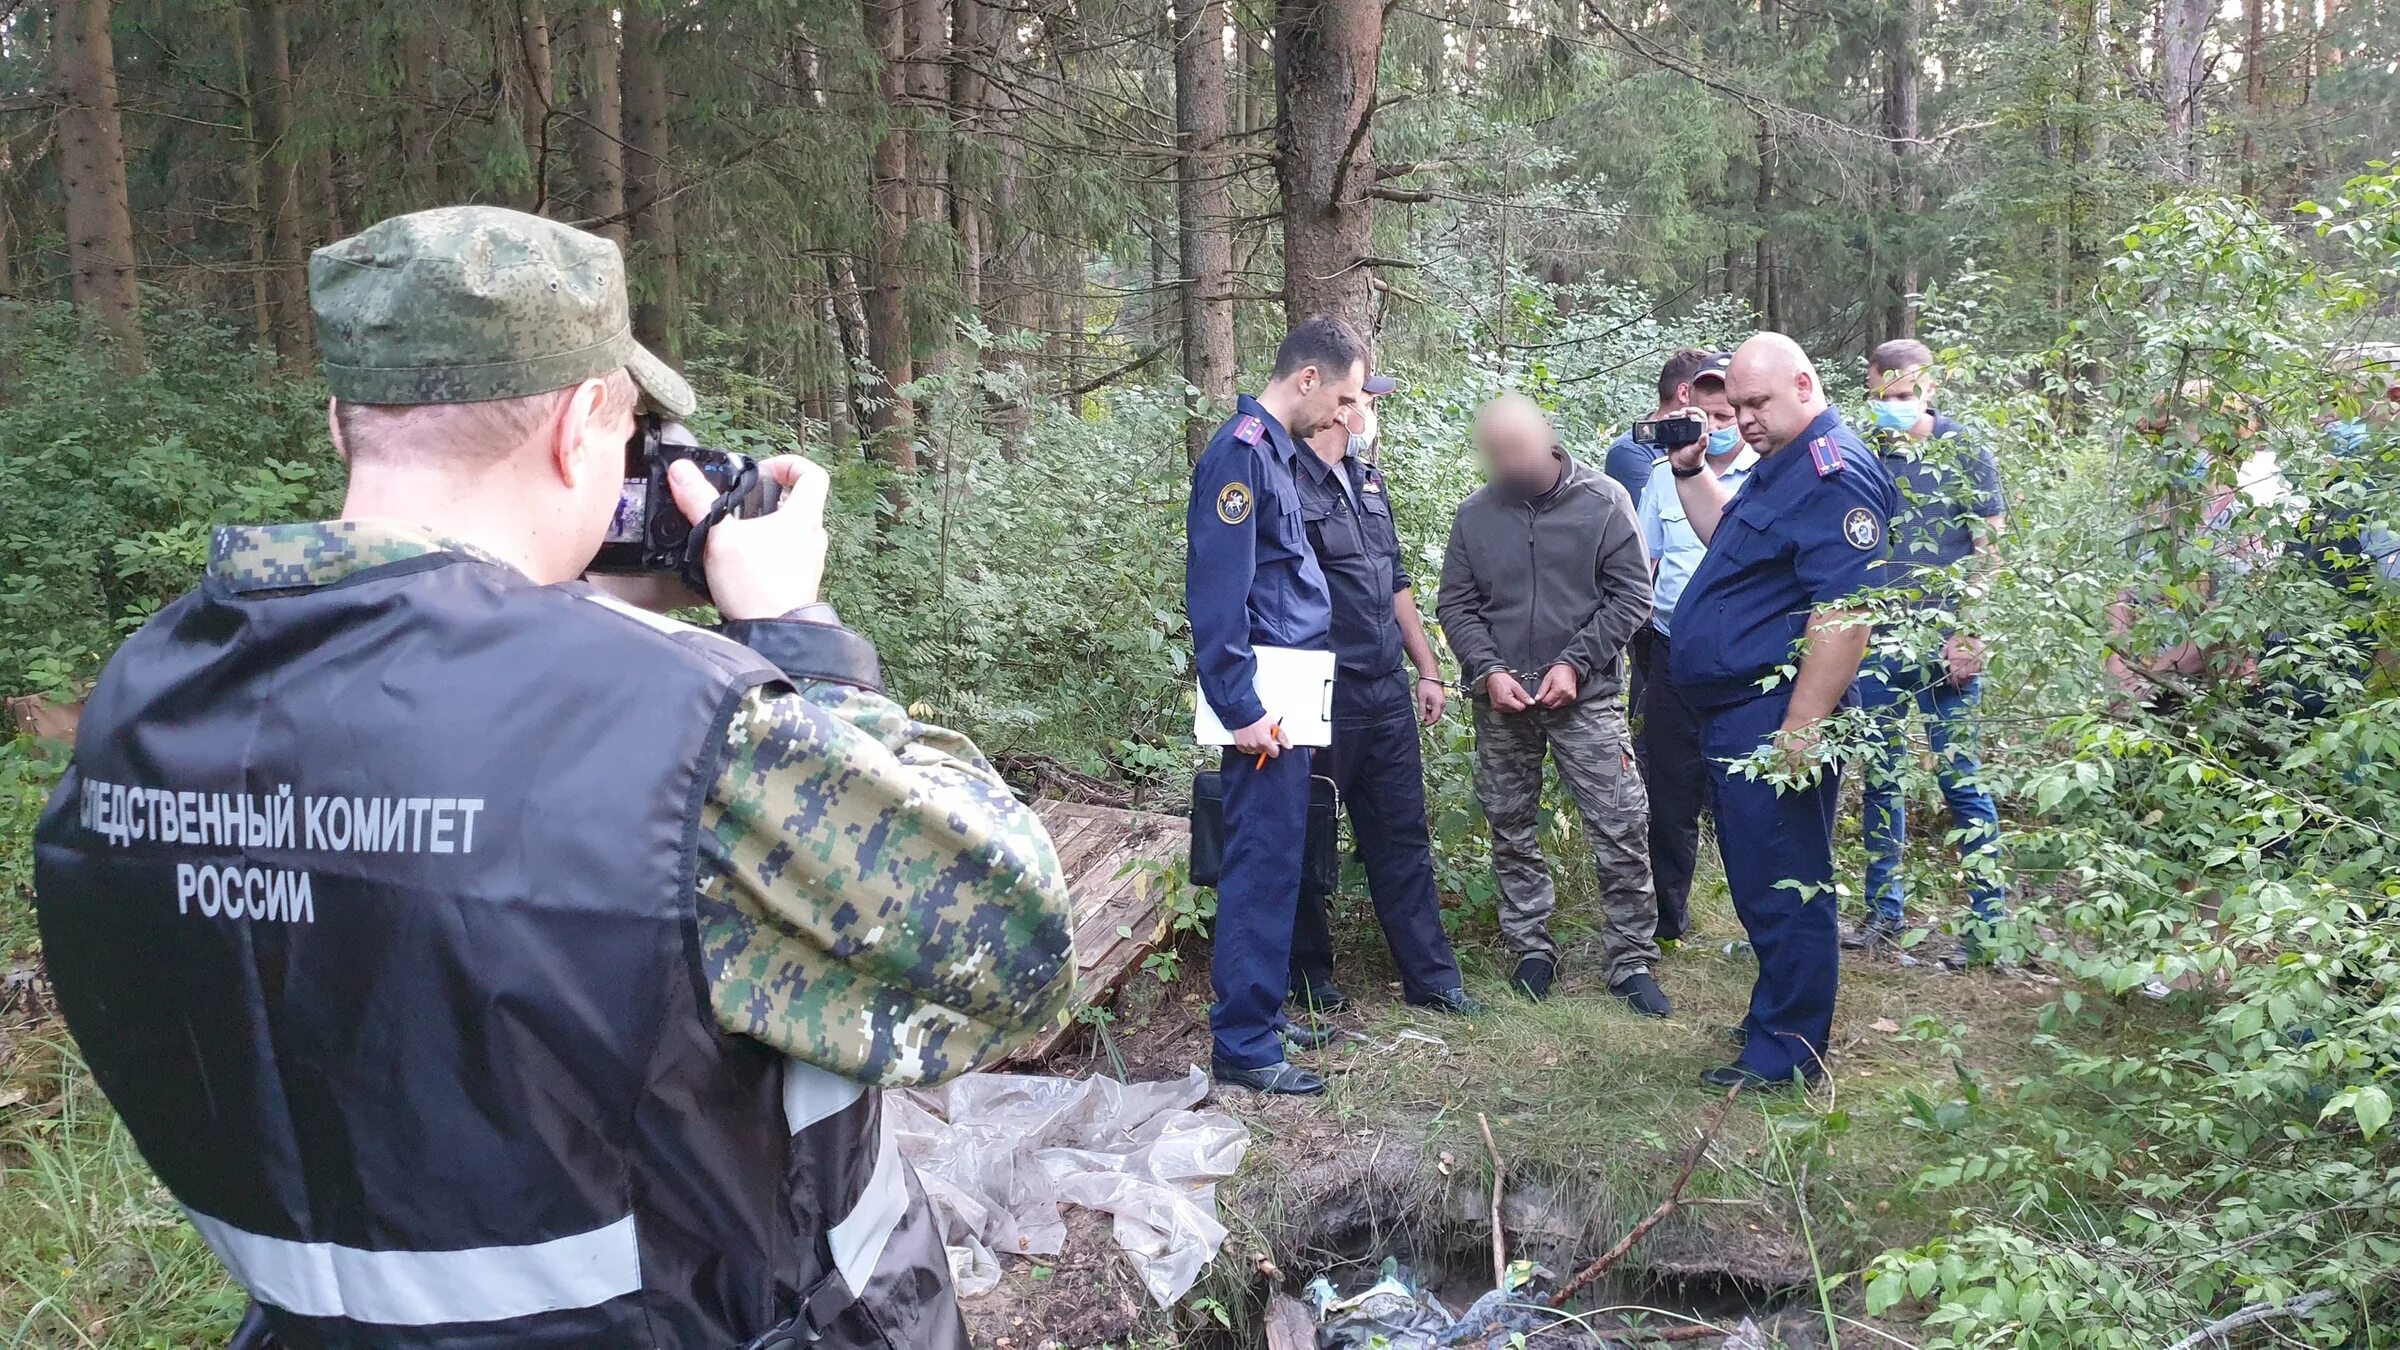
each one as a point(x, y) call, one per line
point(482, 961)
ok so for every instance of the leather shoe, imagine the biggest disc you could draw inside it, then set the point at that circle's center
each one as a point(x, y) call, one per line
point(1307, 1035)
point(1455, 1002)
point(1533, 977)
point(1734, 1075)
point(1318, 998)
point(1282, 1078)
point(1642, 994)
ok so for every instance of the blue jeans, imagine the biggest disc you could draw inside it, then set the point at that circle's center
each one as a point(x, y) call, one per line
point(1887, 688)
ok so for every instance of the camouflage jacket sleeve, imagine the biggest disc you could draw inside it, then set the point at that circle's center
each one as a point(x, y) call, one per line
point(872, 897)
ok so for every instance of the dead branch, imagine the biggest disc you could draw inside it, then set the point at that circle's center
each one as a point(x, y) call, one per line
point(2253, 1315)
point(1655, 1217)
point(1499, 1181)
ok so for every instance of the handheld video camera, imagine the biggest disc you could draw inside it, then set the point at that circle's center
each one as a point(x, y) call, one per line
point(649, 532)
point(1671, 433)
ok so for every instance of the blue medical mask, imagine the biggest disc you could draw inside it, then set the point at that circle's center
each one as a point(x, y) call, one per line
point(2348, 438)
point(1724, 440)
point(1896, 414)
point(1359, 446)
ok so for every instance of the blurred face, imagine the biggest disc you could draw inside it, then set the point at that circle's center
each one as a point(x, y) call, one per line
point(1322, 399)
point(1519, 451)
point(1772, 402)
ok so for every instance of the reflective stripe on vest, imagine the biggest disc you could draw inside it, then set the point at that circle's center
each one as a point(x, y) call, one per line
point(811, 1095)
point(416, 1289)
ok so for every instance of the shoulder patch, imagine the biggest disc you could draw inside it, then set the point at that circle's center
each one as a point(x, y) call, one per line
point(1862, 529)
point(1374, 482)
point(1233, 501)
point(1826, 456)
point(1247, 429)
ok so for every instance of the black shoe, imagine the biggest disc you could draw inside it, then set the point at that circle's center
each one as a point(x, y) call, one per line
point(1878, 931)
point(1282, 1078)
point(1734, 1075)
point(1455, 1002)
point(1308, 1035)
point(1533, 977)
point(1318, 998)
point(1642, 994)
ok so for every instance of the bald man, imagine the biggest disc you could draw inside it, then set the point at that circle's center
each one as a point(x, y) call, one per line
point(1768, 639)
point(1544, 582)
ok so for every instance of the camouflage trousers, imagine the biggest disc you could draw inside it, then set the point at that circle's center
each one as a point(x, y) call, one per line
point(1595, 760)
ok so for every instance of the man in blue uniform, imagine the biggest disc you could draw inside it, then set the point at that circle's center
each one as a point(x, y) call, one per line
point(1785, 556)
point(1951, 511)
point(1250, 579)
point(1374, 760)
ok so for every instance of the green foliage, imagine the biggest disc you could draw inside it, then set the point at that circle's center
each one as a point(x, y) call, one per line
point(2211, 849)
point(112, 484)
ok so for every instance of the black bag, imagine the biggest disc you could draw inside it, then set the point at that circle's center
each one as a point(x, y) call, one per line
point(1320, 860)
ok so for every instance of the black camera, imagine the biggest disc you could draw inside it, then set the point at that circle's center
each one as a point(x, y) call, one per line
point(1671, 433)
point(649, 532)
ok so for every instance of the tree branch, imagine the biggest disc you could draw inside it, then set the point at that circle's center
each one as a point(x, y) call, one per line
point(2253, 1315)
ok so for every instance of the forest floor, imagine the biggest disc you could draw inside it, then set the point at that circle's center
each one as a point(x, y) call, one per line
point(1593, 1110)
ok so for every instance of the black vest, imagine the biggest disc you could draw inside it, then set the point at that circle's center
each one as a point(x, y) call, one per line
point(370, 906)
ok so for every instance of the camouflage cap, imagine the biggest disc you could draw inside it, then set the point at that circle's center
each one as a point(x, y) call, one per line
point(462, 304)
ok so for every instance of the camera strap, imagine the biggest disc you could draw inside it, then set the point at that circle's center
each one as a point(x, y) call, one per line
point(695, 547)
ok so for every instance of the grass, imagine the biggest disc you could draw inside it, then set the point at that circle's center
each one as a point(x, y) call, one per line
point(93, 1252)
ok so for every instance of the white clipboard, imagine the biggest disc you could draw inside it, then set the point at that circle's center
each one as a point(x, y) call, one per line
point(1295, 685)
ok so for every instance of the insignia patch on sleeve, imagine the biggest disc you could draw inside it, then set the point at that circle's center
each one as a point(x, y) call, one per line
point(1233, 502)
point(1249, 429)
point(1862, 529)
point(1827, 457)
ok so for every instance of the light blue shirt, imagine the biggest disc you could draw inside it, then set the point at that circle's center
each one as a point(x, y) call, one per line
point(1674, 549)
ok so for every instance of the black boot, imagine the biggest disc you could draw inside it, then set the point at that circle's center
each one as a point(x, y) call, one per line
point(1642, 994)
point(1533, 977)
point(1456, 1002)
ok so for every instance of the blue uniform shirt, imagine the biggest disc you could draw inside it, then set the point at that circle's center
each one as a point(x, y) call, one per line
point(1629, 462)
point(1350, 529)
point(1249, 576)
point(1674, 549)
point(1946, 485)
point(1809, 528)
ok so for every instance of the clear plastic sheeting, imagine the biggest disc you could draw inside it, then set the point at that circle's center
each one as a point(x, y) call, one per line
point(1000, 1153)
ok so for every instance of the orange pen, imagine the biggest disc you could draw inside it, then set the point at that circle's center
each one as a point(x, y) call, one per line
point(1273, 732)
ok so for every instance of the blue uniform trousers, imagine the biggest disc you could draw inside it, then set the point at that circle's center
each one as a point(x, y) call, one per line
point(1376, 763)
point(1772, 841)
point(1258, 896)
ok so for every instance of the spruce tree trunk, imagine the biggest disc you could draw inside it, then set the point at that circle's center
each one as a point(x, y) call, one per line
point(1908, 198)
point(1766, 299)
point(2182, 72)
point(888, 350)
point(91, 167)
point(970, 105)
point(599, 154)
point(1325, 57)
point(536, 95)
point(1204, 213)
point(658, 296)
point(288, 234)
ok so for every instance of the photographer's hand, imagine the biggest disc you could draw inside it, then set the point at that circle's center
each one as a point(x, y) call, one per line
point(1687, 458)
point(766, 566)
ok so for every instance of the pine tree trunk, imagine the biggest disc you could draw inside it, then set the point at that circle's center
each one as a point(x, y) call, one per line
point(970, 105)
point(418, 159)
point(889, 417)
point(1766, 301)
point(599, 153)
point(288, 232)
point(1204, 214)
point(1325, 57)
point(658, 296)
point(91, 167)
